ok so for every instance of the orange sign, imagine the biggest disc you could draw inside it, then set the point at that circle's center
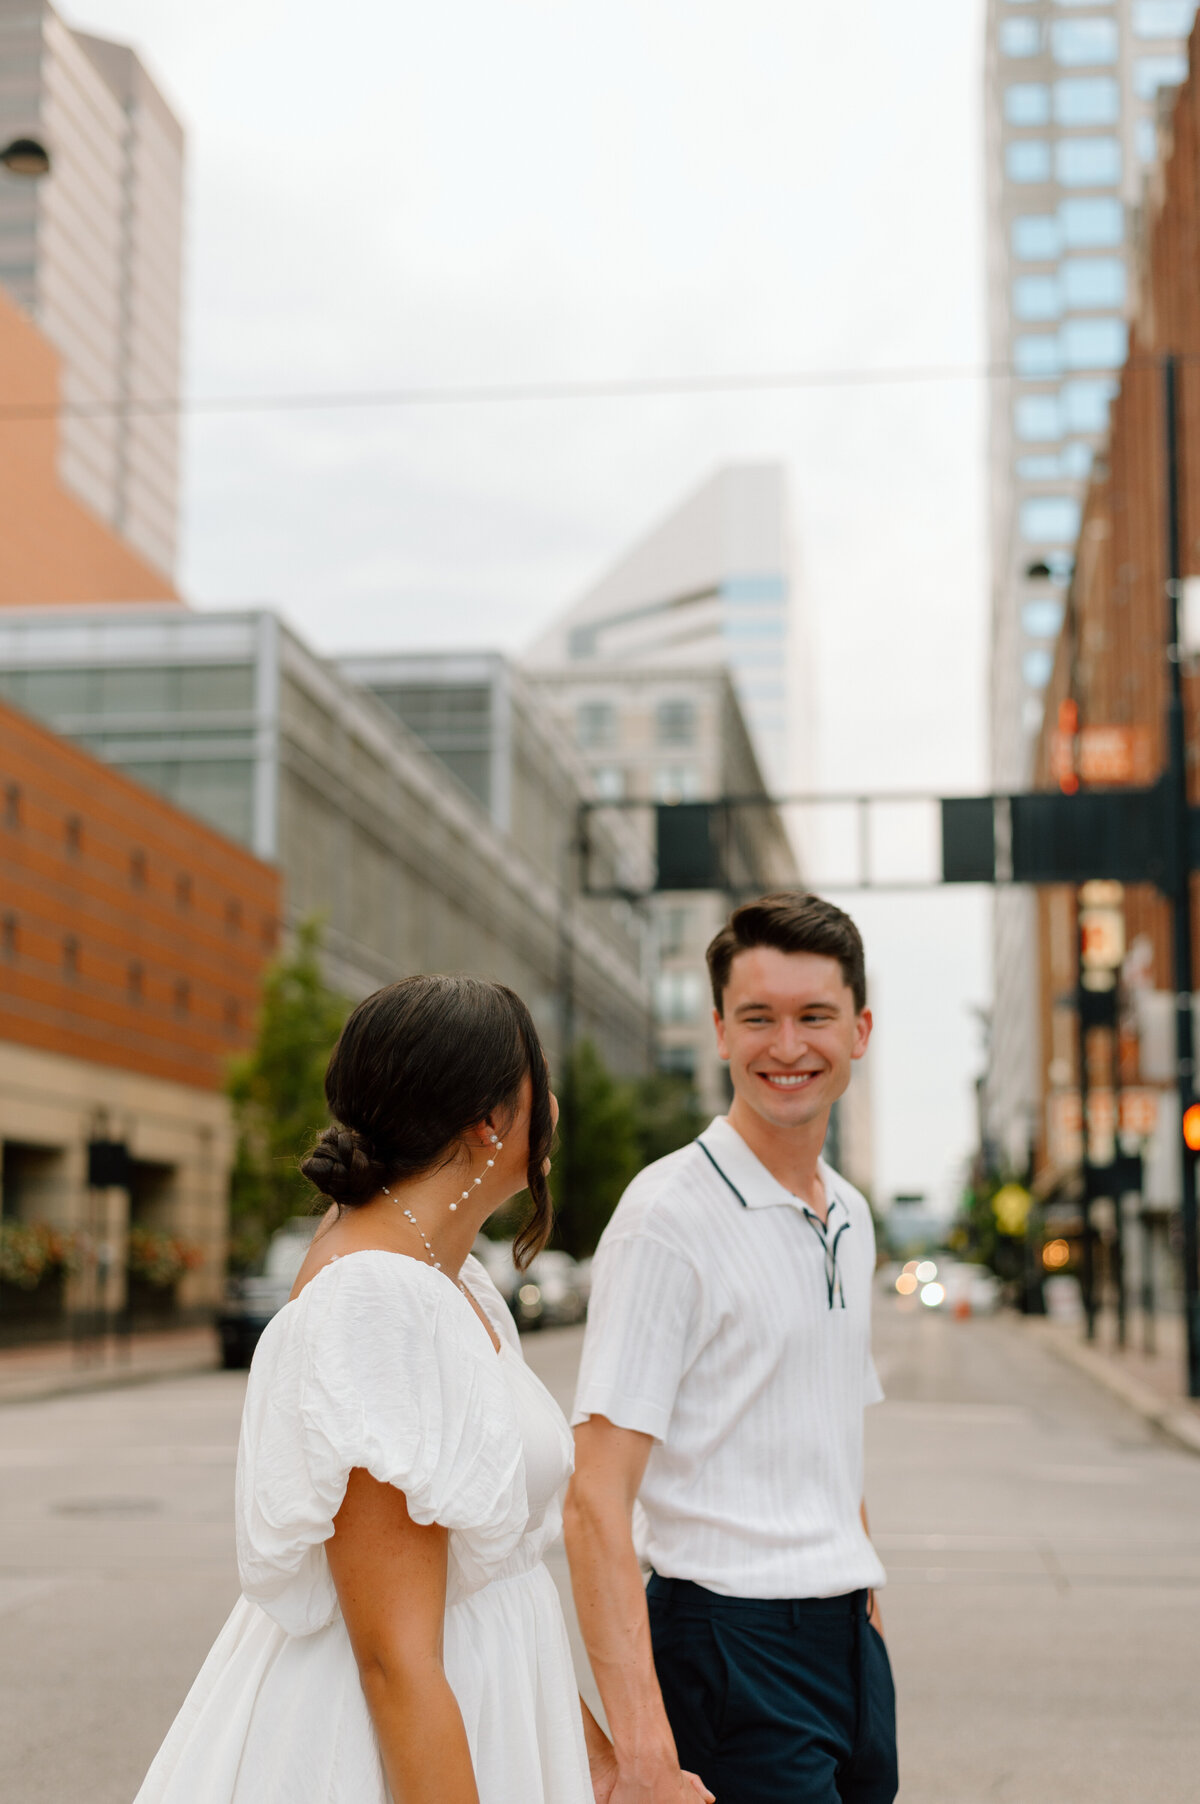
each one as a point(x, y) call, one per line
point(1103, 755)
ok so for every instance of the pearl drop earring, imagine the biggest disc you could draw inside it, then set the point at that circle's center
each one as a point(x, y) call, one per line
point(498, 1144)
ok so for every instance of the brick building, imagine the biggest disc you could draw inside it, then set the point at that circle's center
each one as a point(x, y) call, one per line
point(132, 943)
point(1105, 704)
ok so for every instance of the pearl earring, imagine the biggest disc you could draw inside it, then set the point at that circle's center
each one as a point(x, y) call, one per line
point(498, 1144)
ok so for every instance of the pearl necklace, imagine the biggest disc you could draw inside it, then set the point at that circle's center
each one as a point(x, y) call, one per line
point(434, 1261)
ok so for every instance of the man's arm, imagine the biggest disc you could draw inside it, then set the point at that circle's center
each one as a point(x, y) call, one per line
point(873, 1612)
point(611, 1603)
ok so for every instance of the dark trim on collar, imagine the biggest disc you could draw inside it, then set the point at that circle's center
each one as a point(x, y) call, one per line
point(741, 1199)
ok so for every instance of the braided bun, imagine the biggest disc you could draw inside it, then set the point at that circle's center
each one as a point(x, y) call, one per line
point(344, 1166)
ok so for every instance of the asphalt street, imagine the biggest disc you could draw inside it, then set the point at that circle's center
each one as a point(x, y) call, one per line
point(1043, 1551)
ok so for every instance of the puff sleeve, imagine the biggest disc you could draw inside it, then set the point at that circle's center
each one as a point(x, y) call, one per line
point(378, 1363)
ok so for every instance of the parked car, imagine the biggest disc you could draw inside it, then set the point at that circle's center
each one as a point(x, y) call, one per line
point(254, 1297)
point(550, 1294)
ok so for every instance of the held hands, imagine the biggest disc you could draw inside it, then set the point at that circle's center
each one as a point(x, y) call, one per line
point(667, 1787)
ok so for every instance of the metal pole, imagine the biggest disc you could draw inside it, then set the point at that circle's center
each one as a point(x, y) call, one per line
point(1085, 1157)
point(1181, 895)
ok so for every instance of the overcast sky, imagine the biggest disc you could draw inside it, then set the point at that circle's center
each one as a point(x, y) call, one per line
point(509, 190)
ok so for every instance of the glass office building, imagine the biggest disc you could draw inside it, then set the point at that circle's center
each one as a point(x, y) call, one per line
point(1076, 94)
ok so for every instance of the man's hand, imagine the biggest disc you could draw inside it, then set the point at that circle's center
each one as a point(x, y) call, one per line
point(642, 1766)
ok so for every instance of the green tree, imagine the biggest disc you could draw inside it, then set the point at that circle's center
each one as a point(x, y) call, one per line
point(278, 1094)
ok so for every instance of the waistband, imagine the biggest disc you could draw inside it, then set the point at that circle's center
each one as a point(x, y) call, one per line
point(685, 1594)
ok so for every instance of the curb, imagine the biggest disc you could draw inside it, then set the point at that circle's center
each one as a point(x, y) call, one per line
point(1172, 1417)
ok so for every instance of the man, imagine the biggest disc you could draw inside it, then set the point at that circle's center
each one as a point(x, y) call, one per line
point(720, 1414)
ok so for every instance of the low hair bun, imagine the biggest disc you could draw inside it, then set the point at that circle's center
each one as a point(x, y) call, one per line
point(344, 1167)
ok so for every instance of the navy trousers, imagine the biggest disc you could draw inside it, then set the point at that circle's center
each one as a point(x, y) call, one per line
point(774, 1702)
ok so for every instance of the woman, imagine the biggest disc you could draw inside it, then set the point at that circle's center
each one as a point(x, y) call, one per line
point(400, 1468)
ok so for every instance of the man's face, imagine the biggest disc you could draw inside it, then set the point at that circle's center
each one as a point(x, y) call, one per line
point(790, 1031)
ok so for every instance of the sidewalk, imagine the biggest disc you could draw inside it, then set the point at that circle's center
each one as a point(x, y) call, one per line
point(1152, 1384)
point(59, 1367)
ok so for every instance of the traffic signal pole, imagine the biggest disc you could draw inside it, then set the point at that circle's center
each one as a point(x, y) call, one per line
point(1180, 878)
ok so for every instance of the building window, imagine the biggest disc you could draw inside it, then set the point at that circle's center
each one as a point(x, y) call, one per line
point(1093, 282)
point(8, 936)
point(1037, 667)
point(233, 1015)
point(1020, 37)
point(1028, 160)
point(1037, 418)
point(675, 722)
point(182, 996)
point(12, 805)
point(679, 1061)
point(1150, 73)
point(137, 869)
point(1079, 43)
point(1092, 224)
point(1041, 619)
point(183, 890)
point(1050, 520)
point(1047, 467)
point(1035, 354)
point(1145, 134)
point(1077, 461)
point(678, 997)
point(672, 925)
point(268, 932)
point(74, 834)
point(1163, 18)
point(1094, 344)
point(1027, 103)
point(71, 956)
point(676, 783)
point(608, 783)
point(135, 982)
point(1087, 100)
point(595, 724)
point(1036, 297)
point(233, 915)
point(1035, 238)
point(1087, 162)
point(1085, 404)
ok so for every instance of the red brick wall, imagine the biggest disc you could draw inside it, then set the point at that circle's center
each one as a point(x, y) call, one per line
point(131, 934)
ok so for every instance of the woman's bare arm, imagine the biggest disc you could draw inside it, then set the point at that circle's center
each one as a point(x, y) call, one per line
point(391, 1583)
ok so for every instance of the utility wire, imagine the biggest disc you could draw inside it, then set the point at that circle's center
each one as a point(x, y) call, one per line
point(507, 393)
point(490, 394)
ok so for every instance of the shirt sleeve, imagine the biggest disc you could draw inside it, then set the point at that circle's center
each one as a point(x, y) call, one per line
point(873, 1391)
point(643, 1323)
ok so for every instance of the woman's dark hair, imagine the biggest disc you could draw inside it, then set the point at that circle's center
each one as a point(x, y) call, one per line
point(417, 1065)
point(791, 921)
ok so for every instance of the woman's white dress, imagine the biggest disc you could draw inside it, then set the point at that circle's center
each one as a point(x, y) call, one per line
point(381, 1362)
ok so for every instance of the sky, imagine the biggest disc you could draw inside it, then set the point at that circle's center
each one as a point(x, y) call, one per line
point(507, 191)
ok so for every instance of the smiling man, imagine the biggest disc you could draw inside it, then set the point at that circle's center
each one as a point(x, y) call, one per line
point(719, 1436)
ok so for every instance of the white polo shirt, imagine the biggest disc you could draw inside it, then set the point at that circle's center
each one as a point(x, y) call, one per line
point(729, 1324)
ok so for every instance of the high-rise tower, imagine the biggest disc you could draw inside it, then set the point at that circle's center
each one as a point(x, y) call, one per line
point(94, 253)
point(1074, 90)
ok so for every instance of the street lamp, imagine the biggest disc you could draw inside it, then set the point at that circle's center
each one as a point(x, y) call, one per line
point(26, 157)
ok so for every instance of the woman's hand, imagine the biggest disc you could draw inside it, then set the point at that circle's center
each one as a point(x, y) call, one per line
point(602, 1766)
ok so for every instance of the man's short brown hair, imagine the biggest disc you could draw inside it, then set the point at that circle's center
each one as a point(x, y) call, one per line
point(790, 921)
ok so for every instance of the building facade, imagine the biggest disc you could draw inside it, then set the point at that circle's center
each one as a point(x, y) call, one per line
point(669, 733)
point(713, 583)
point(1074, 96)
point(1105, 726)
point(233, 718)
point(132, 944)
point(94, 253)
point(53, 548)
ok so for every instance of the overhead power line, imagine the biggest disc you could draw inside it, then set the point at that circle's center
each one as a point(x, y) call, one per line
point(491, 394)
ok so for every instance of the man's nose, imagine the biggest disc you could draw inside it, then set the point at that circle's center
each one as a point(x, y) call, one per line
point(790, 1042)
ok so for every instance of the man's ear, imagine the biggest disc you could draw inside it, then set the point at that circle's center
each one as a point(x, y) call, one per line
point(862, 1032)
point(719, 1025)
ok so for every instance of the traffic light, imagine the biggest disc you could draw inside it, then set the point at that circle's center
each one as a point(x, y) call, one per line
point(1191, 1127)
